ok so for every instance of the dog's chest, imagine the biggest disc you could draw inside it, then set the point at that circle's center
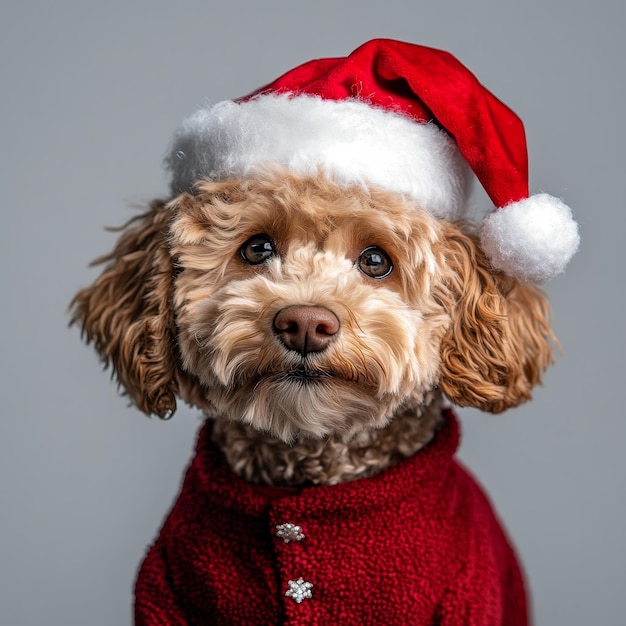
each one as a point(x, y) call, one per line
point(385, 550)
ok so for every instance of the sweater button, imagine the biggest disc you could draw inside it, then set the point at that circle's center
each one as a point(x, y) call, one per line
point(289, 532)
point(299, 590)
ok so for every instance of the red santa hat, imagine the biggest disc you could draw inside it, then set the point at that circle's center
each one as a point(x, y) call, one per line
point(399, 116)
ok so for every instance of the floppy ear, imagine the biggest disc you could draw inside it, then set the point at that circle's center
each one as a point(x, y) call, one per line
point(498, 343)
point(127, 315)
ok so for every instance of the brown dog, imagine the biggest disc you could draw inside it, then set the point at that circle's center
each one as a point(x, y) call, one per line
point(311, 286)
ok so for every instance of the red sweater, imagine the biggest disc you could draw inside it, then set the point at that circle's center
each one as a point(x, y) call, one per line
point(417, 544)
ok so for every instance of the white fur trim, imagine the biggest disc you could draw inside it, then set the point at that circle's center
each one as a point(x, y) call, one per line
point(353, 141)
point(532, 239)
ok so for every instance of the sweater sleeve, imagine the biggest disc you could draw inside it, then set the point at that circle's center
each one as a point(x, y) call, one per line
point(471, 601)
point(155, 600)
point(488, 589)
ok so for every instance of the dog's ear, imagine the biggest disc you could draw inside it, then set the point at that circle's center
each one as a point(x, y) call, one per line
point(498, 343)
point(127, 314)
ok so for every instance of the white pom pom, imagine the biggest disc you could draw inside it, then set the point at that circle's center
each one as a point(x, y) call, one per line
point(532, 239)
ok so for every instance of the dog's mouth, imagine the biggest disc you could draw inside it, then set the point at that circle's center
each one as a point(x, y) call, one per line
point(307, 375)
point(303, 375)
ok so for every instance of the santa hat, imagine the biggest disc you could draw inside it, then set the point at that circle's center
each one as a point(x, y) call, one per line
point(398, 116)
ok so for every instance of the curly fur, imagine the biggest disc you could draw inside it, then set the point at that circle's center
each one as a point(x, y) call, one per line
point(498, 344)
point(128, 316)
point(264, 459)
point(177, 312)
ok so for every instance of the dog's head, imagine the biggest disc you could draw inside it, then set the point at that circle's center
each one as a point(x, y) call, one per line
point(300, 306)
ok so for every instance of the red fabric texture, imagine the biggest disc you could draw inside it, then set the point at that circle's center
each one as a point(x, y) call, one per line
point(426, 84)
point(417, 544)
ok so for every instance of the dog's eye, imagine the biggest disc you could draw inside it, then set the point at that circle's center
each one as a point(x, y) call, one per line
point(257, 249)
point(374, 262)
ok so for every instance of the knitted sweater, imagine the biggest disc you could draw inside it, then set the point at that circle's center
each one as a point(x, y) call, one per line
point(416, 544)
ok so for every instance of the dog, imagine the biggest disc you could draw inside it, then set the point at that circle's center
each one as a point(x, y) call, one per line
point(323, 327)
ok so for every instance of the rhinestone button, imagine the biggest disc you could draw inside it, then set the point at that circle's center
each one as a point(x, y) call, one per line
point(299, 590)
point(289, 532)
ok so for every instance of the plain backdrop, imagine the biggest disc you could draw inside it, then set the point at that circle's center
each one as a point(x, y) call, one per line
point(90, 93)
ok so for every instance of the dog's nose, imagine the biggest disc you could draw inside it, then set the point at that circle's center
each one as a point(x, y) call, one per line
point(305, 328)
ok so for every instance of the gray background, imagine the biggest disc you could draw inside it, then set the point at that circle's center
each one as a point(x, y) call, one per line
point(90, 93)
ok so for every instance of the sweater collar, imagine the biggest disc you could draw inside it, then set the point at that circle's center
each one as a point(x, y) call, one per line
point(419, 476)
